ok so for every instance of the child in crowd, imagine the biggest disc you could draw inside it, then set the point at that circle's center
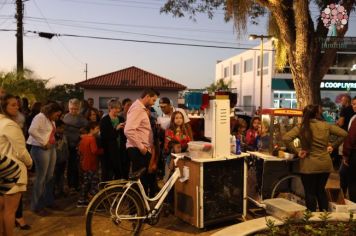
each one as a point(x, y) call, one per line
point(176, 131)
point(265, 137)
point(62, 152)
point(252, 134)
point(89, 152)
point(239, 131)
point(174, 147)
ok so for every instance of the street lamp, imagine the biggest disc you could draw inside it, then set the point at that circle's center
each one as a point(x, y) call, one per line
point(253, 37)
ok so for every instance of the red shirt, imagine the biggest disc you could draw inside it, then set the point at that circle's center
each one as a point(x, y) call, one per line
point(181, 137)
point(251, 135)
point(89, 152)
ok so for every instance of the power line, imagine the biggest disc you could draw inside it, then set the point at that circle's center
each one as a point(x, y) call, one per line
point(149, 35)
point(60, 41)
point(123, 5)
point(138, 26)
point(49, 35)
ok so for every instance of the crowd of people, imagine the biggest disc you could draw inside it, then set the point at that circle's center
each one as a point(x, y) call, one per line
point(321, 142)
point(71, 148)
point(83, 146)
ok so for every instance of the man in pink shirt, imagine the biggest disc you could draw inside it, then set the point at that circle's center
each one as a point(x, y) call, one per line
point(139, 132)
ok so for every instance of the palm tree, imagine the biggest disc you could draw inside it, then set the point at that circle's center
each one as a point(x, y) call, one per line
point(298, 35)
point(27, 85)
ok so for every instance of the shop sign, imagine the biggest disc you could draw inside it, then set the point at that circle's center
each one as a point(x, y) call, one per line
point(341, 43)
point(341, 85)
point(338, 85)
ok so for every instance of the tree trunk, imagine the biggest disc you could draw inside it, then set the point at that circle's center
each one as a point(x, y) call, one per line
point(307, 89)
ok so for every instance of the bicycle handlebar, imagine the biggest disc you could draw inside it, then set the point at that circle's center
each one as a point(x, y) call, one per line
point(177, 156)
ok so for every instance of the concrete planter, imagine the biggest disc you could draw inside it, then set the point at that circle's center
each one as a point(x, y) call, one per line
point(256, 225)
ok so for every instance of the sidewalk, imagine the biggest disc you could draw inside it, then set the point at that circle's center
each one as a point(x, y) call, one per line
point(70, 221)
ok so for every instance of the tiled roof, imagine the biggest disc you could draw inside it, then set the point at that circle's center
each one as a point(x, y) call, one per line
point(130, 78)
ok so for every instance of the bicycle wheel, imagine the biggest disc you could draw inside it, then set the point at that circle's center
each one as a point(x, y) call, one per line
point(289, 187)
point(101, 218)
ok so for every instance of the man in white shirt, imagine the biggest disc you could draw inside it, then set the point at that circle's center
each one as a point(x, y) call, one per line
point(164, 120)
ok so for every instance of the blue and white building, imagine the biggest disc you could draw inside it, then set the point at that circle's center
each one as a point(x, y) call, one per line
point(243, 70)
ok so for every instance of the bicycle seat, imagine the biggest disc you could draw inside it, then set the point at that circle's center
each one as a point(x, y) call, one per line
point(137, 174)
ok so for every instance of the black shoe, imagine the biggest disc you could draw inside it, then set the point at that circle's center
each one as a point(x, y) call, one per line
point(22, 227)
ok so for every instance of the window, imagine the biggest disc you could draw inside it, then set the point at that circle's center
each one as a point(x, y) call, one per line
point(247, 103)
point(248, 65)
point(236, 69)
point(103, 102)
point(284, 99)
point(265, 60)
point(226, 72)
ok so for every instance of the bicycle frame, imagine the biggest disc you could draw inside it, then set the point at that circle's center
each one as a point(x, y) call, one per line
point(160, 197)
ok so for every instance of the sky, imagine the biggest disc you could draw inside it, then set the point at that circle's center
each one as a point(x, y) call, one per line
point(62, 59)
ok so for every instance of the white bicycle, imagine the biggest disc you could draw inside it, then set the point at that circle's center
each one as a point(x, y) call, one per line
point(122, 206)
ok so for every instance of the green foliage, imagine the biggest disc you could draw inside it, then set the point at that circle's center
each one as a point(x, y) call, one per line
point(65, 92)
point(324, 217)
point(306, 216)
point(237, 10)
point(219, 85)
point(301, 227)
point(272, 228)
point(28, 85)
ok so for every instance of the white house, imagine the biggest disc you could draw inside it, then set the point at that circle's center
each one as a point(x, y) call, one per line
point(127, 83)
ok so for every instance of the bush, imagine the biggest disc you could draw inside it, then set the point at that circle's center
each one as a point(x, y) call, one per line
point(324, 227)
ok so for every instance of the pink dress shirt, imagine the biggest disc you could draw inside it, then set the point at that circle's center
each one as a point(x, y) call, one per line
point(138, 128)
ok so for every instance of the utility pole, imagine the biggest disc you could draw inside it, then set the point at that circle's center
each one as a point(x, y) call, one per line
point(86, 71)
point(19, 37)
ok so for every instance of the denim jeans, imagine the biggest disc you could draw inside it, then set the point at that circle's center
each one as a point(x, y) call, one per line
point(45, 161)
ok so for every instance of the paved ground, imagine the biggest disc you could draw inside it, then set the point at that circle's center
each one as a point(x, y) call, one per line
point(69, 221)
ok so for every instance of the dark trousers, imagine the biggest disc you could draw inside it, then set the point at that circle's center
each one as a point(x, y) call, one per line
point(114, 165)
point(352, 176)
point(139, 161)
point(107, 169)
point(59, 177)
point(344, 177)
point(125, 163)
point(89, 185)
point(73, 168)
point(314, 189)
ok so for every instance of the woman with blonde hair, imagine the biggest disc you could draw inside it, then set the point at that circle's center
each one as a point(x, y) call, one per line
point(14, 162)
